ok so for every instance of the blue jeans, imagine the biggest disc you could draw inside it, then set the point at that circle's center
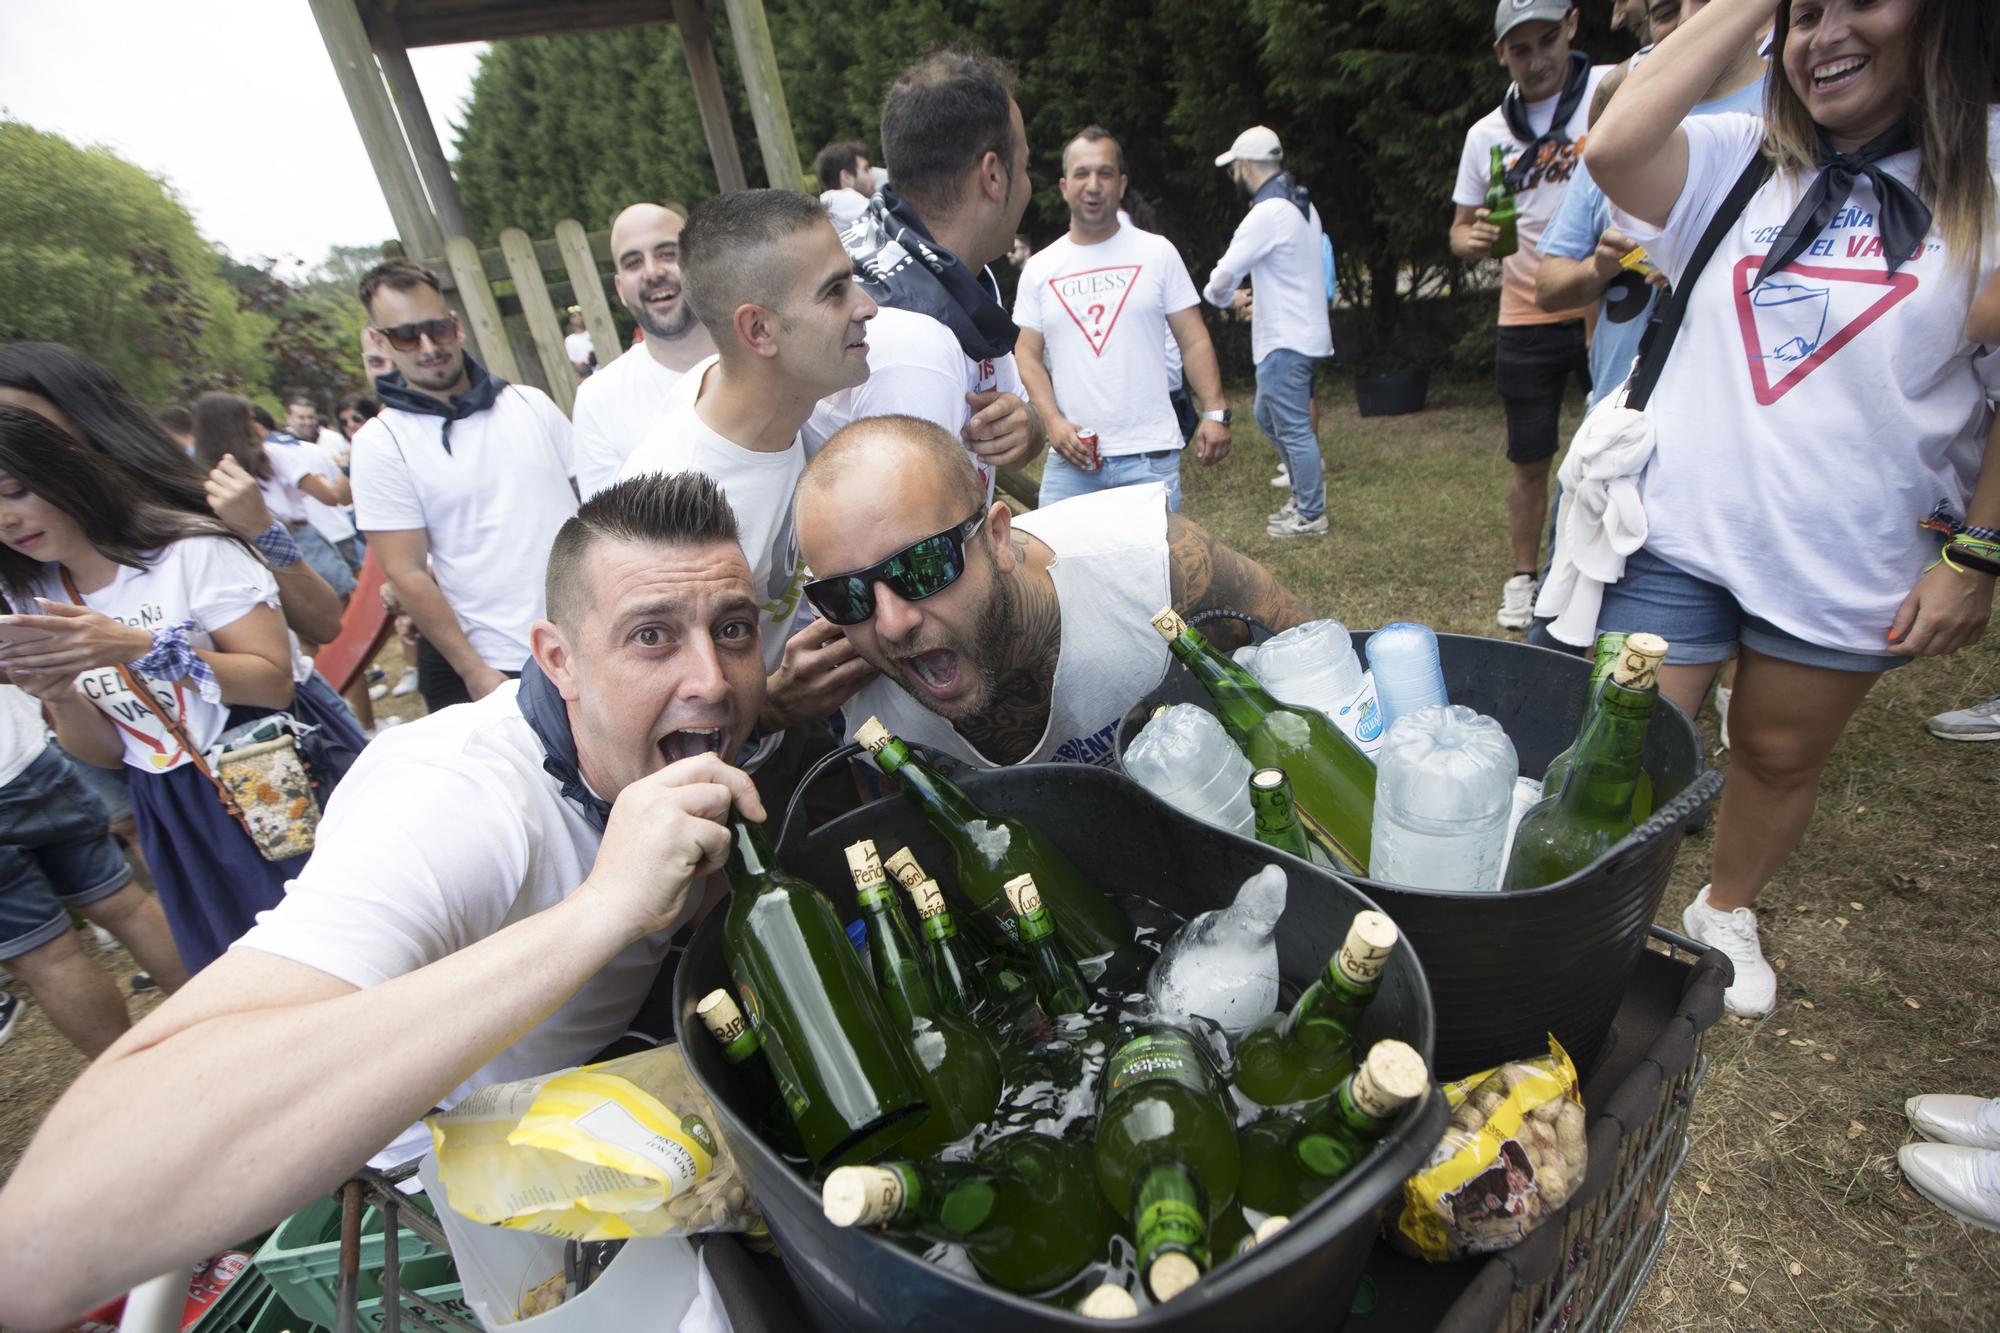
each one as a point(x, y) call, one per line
point(1284, 404)
point(1063, 480)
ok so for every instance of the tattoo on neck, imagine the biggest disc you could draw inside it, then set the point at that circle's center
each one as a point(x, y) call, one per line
point(1023, 682)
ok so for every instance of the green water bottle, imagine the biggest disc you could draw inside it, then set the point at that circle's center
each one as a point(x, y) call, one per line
point(960, 964)
point(771, 1113)
point(1500, 207)
point(850, 1084)
point(1289, 1163)
point(991, 850)
point(1333, 783)
point(1026, 1210)
point(1570, 828)
point(1059, 985)
point(1609, 647)
point(957, 1065)
point(1300, 1055)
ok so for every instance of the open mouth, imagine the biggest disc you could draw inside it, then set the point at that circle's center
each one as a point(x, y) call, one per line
point(1837, 74)
point(688, 742)
point(660, 296)
point(937, 669)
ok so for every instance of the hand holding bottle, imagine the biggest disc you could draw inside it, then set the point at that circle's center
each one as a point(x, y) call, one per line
point(667, 831)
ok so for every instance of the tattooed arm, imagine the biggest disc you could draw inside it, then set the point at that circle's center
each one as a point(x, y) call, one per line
point(1205, 575)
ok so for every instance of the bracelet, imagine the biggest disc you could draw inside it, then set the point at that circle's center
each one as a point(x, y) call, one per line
point(280, 551)
point(171, 659)
point(1972, 554)
point(1978, 533)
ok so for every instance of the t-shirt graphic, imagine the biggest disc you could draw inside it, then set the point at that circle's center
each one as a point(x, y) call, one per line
point(1796, 320)
point(1095, 298)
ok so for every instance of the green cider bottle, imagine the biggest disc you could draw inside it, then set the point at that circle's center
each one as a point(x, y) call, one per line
point(1277, 818)
point(965, 970)
point(991, 850)
point(1232, 1235)
point(1609, 647)
point(1166, 1152)
point(1333, 783)
point(1289, 1163)
point(850, 1084)
point(771, 1114)
point(1059, 985)
point(1500, 207)
point(956, 1064)
point(1570, 828)
point(1303, 1054)
point(1026, 1209)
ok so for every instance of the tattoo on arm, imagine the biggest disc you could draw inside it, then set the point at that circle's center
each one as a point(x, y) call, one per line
point(1205, 575)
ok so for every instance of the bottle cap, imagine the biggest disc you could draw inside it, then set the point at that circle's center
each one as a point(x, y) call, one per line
point(929, 899)
point(1268, 779)
point(1639, 662)
point(1023, 894)
point(903, 865)
point(861, 1196)
point(872, 735)
point(1109, 1301)
point(863, 864)
point(1270, 1227)
point(1366, 951)
point(1392, 1076)
point(1170, 1275)
point(1169, 624)
point(721, 1015)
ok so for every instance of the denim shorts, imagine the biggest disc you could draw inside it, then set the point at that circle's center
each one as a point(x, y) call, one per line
point(55, 853)
point(1703, 623)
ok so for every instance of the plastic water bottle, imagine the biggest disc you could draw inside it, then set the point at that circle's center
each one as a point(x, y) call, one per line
point(1444, 789)
point(1408, 675)
point(1184, 757)
point(1224, 964)
point(1314, 665)
point(1527, 791)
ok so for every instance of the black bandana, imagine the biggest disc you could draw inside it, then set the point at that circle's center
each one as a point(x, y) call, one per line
point(1904, 218)
point(1575, 84)
point(903, 267)
point(548, 718)
point(483, 392)
point(1282, 186)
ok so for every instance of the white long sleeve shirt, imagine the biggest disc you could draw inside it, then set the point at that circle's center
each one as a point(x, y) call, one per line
point(1277, 248)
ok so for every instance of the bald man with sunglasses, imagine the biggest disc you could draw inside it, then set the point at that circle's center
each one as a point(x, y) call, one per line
point(1004, 640)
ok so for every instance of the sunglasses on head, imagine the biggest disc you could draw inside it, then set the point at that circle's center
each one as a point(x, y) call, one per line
point(409, 337)
point(922, 569)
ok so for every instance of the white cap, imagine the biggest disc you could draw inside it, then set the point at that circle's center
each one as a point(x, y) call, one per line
point(1256, 144)
point(1512, 14)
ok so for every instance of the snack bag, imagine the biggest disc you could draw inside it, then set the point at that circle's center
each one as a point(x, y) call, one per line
point(606, 1152)
point(1512, 1155)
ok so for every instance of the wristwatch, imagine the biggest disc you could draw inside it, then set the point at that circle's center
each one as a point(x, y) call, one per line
point(1220, 415)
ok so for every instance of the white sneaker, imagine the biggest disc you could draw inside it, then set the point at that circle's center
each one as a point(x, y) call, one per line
point(105, 939)
point(1279, 515)
point(407, 685)
point(1949, 1117)
point(1722, 693)
point(1291, 525)
point(1517, 602)
point(1283, 481)
point(1755, 990)
point(1965, 1182)
point(1981, 722)
point(378, 692)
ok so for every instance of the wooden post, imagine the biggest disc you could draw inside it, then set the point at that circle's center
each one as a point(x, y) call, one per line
point(766, 90)
point(691, 22)
point(480, 308)
point(588, 289)
point(354, 64)
point(432, 165)
point(540, 313)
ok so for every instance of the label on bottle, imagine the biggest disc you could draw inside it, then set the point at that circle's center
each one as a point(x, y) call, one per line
point(863, 864)
point(1168, 1217)
point(787, 1078)
point(1166, 1055)
point(1169, 624)
point(1370, 940)
point(903, 865)
point(929, 899)
point(723, 1019)
point(1361, 717)
point(867, 1196)
point(1031, 918)
point(1392, 1076)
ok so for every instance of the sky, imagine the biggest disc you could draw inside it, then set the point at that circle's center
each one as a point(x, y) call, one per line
point(234, 102)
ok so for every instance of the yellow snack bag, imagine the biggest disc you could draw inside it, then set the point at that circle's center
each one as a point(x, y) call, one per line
point(1512, 1155)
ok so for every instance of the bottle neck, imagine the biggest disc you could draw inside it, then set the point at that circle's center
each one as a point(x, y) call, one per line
point(930, 788)
point(1238, 696)
point(745, 1045)
point(751, 860)
point(898, 974)
point(1604, 773)
point(1169, 1212)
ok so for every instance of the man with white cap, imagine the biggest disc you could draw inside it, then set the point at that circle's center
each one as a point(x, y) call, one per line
point(1539, 129)
point(1277, 247)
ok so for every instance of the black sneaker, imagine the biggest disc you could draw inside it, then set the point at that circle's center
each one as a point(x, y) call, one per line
point(142, 982)
point(10, 1013)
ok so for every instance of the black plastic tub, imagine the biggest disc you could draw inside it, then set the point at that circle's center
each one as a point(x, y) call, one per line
point(1128, 843)
point(1391, 393)
point(1507, 968)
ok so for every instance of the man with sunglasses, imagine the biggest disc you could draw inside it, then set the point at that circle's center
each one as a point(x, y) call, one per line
point(460, 483)
point(1004, 640)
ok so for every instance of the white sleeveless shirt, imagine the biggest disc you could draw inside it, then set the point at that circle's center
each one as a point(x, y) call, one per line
point(1111, 579)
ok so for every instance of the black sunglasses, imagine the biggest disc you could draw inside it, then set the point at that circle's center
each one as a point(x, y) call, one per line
point(922, 569)
point(409, 337)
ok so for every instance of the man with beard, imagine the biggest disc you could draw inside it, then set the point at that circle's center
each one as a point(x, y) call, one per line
point(460, 483)
point(617, 406)
point(1004, 640)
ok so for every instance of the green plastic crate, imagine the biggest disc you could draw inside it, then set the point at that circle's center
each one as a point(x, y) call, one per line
point(239, 1305)
point(435, 1279)
point(301, 1261)
point(276, 1317)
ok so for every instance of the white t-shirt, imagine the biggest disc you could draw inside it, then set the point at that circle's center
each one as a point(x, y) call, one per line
point(1277, 248)
point(1100, 310)
point(295, 460)
point(577, 347)
point(445, 832)
point(491, 506)
point(212, 581)
point(615, 408)
point(280, 490)
point(1535, 203)
point(843, 206)
point(23, 734)
point(1804, 427)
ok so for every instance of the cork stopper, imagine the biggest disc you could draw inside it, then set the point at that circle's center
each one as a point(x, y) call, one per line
point(1268, 779)
point(1159, 711)
point(1366, 950)
point(929, 899)
point(1023, 894)
point(903, 865)
point(1269, 1227)
point(1639, 662)
point(872, 735)
point(863, 864)
point(1170, 1275)
point(1392, 1076)
point(1169, 624)
point(1109, 1301)
point(719, 1012)
point(861, 1196)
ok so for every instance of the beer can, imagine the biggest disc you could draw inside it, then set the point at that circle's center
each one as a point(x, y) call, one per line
point(1088, 439)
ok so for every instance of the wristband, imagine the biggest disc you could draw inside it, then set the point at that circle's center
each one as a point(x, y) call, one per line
point(280, 551)
point(1972, 553)
point(171, 659)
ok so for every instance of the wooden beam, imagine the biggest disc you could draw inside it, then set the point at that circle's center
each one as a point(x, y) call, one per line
point(587, 290)
point(691, 21)
point(766, 90)
point(432, 165)
point(375, 119)
point(543, 325)
point(547, 253)
point(481, 309)
point(436, 25)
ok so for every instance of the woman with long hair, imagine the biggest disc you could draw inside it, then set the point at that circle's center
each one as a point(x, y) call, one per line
point(1823, 395)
